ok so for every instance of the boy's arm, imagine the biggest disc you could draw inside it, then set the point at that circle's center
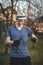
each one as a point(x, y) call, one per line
point(34, 38)
point(8, 41)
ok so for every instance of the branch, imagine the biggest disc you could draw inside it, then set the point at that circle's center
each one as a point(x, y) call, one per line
point(2, 9)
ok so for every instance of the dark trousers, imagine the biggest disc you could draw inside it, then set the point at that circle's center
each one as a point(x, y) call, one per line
point(20, 61)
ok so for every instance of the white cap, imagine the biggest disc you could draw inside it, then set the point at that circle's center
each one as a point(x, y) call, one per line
point(21, 16)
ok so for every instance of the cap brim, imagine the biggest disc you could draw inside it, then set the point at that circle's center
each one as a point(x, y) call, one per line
point(21, 17)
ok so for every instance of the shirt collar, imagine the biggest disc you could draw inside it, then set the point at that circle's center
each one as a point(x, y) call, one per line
point(19, 28)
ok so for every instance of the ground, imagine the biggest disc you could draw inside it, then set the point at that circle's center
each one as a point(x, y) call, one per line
point(36, 53)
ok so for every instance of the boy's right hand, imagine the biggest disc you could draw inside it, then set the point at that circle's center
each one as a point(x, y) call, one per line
point(17, 42)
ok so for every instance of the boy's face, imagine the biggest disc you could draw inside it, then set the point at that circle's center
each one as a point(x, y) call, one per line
point(20, 21)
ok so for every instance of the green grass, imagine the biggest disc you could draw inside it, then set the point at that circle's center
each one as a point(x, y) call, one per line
point(36, 53)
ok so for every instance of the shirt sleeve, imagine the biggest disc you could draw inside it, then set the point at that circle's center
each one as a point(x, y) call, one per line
point(30, 31)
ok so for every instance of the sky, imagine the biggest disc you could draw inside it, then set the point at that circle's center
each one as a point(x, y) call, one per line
point(23, 6)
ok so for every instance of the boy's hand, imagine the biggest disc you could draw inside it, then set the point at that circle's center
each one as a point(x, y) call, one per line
point(33, 40)
point(17, 42)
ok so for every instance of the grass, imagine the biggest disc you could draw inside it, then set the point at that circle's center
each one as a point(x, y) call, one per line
point(36, 53)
